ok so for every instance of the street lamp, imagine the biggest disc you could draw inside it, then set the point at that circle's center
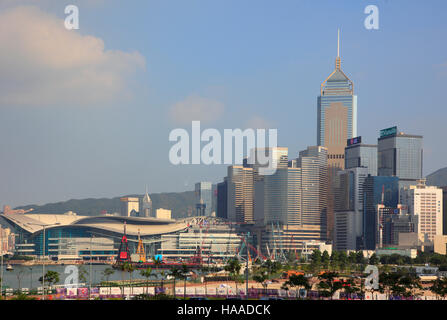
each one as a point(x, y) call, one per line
point(31, 281)
point(90, 272)
point(246, 269)
point(43, 254)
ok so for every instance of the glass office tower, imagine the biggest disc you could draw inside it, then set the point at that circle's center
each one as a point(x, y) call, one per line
point(359, 155)
point(400, 155)
point(377, 190)
point(204, 195)
point(337, 114)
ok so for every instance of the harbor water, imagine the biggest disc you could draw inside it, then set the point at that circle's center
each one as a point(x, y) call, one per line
point(28, 276)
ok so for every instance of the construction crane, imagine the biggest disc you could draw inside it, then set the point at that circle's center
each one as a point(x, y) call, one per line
point(248, 246)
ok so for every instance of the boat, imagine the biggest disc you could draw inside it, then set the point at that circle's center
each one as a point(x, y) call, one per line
point(9, 267)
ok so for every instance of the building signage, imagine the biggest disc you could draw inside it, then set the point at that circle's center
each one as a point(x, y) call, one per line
point(388, 132)
point(354, 141)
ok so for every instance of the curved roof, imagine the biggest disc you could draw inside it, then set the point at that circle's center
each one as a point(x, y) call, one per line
point(34, 223)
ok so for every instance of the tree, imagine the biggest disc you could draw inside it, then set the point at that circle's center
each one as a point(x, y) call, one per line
point(272, 267)
point(437, 259)
point(83, 273)
point(51, 277)
point(175, 273)
point(352, 257)
point(349, 286)
point(157, 262)
point(315, 258)
point(334, 260)
point(400, 282)
point(162, 274)
point(19, 279)
point(343, 260)
point(328, 284)
point(147, 273)
point(233, 267)
point(130, 268)
point(360, 259)
point(184, 275)
point(387, 282)
point(374, 260)
point(262, 277)
point(325, 259)
point(439, 287)
point(107, 273)
point(299, 281)
point(410, 282)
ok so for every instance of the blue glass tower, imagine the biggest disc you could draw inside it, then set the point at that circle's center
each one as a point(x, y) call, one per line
point(377, 190)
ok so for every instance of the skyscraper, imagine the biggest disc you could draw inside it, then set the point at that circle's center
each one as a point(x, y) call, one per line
point(146, 205)
point(337, 113)
point(313, 165)
point(400, 155)
point(425, 202)
point(270, 190)
point(349, 208)
point(359, 155)
point(204, 196)
point(222, 199)
point(377, 191)
point(240, 194)
point(130, 206)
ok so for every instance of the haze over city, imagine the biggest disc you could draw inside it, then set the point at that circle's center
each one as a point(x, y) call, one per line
point(96, 122)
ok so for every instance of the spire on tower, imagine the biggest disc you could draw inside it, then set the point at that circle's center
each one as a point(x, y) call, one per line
point(338, 44)
point(338, 59)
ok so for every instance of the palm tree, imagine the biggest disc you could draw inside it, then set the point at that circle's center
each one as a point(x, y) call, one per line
point(127, 267)
point(130, 268)
point(175, 273)
point(107, 273)
point(162, 273)
point(147, 273)
point(184, 274)
point(157, 262)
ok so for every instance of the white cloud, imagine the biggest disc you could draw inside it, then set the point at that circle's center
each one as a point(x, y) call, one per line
point(42, 63)
point(194, 108)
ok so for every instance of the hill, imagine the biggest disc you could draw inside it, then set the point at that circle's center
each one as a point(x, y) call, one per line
point(178, 202)
point(438, 178)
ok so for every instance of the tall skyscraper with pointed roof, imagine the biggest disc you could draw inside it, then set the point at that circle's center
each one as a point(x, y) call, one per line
point(147, 205)
point(337, 113)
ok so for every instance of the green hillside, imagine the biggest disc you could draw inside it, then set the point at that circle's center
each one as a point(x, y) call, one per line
point(438, 178)
point(178, 202)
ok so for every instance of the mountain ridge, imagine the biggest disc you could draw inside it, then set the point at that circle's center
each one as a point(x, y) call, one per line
point(438, 178)
point(180, 203)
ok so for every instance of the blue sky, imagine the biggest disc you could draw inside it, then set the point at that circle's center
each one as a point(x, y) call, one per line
point(256, 61)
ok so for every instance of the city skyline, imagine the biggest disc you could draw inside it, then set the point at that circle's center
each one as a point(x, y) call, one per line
point(55, 153)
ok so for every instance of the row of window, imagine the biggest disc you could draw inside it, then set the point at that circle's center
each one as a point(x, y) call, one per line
point(335, 156)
